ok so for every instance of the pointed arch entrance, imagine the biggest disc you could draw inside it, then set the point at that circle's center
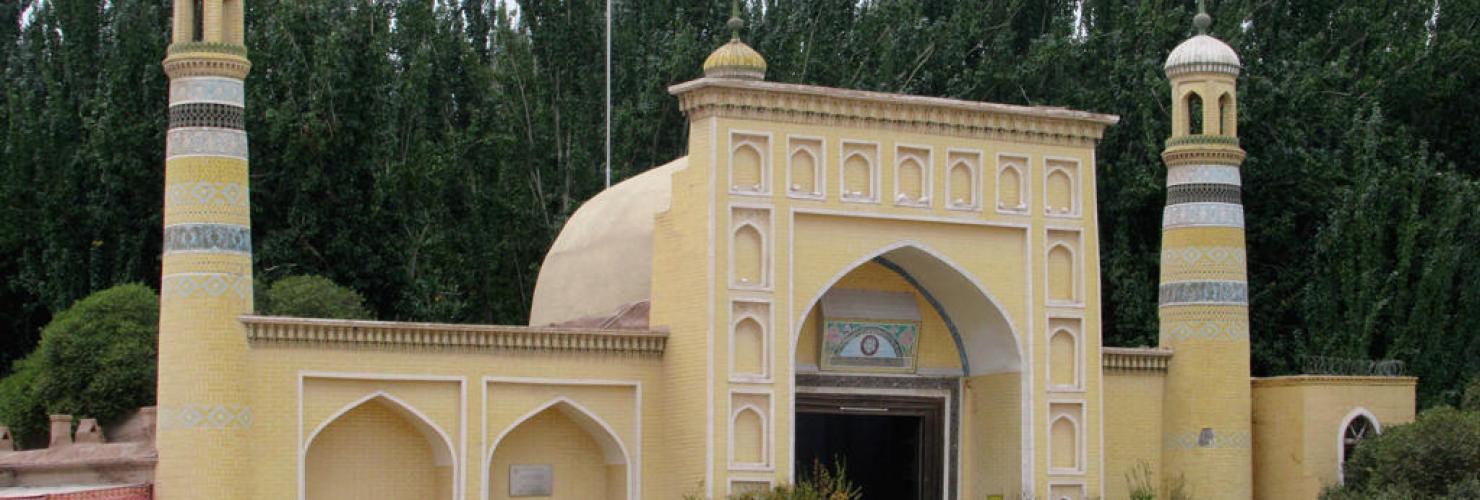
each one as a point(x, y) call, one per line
point(378, 447)
point(570, 443)
point(965, 402)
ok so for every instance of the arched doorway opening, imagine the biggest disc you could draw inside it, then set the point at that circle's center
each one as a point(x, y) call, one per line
point(957, 398)
point(378, 447)
point(559, 451)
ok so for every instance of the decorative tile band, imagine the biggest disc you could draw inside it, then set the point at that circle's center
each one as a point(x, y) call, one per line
point(204, 417)
point(356, 334)
point(1231, 330)
point(207, 114)
point(1203, 174)
point(1207, 438)
point(1204, 193)
point(1205, 292)
point(207, 89)
point(186, 285)
point(1203, 263)
point(205, 142)
point(1133, 359)
point(220, 194)
point(1202, 214)
point(217, 238)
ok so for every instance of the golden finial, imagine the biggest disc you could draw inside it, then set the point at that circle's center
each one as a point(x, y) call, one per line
point(735, 59)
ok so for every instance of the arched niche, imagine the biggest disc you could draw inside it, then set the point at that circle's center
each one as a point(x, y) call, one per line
point(963, 181)
point(858, 177)
point(1063, 365)
point(1357, 426)
point(749, 348)
point(747, 174)
point(1227, 121)
point(586, 458)
point(1060, 187)
point(804, 172)
point(380, 447)
point(748, 437)
point(749, 257)
point(910, 182)
point(1064, 444)
point(1010, 188)
point(1061, 284)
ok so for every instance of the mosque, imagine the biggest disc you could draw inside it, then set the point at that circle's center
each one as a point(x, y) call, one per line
point(908, 285)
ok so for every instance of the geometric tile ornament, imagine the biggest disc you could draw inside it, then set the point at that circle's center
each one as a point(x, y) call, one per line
point(206, 193)
point(219, 238)
point(206, 142)
point(1203, 174)
point(1205, 292)
point(1207, 438)
point(205, 417)
point(185, 285)
point(1202, 214)
point(207, 89)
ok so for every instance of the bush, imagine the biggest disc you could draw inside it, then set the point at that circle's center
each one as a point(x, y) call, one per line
point(1436, 456)
point(1471, 400)
point(311, 296)
point(95, 359)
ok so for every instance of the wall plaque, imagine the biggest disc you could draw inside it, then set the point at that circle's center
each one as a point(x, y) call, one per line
point(531, 480)
point(882, 346)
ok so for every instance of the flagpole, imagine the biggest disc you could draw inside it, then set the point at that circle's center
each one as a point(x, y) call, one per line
point(608, 93)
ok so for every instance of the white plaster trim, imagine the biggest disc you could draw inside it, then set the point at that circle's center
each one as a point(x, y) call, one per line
point(770, 481)
point(797, 143)
point(910, 218)
point(713, 292)
point(1070, 482)
point(1070, 167)
point(759, 141)
point(904, 152)
point(1341, 438)
point(1022, 163)
point(973, 164)
point(873, 170)
point(767, 325)
point(1017, 339)
point(403, 406)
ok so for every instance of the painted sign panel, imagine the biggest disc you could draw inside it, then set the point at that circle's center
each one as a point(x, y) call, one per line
point(531, 480)
point(869, 346)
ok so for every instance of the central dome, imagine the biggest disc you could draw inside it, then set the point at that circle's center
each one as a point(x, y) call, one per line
point(1203, 54)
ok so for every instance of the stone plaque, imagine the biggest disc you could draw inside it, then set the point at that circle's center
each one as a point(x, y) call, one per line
point(531, 480)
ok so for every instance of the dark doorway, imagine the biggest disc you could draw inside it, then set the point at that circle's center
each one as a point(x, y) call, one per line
point(890, 446)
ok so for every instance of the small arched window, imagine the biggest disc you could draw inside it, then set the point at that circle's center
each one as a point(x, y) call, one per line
point(1357, 430)
point(1225, 115)
point(198, 21)
point(1194, 114)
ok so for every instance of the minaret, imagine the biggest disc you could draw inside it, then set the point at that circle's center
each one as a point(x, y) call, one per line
point(1204, 298)
point(207, 263)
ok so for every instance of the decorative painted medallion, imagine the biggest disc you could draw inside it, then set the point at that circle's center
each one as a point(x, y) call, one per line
point(869, 346)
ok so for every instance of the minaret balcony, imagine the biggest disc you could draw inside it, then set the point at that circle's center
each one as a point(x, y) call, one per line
point(1214, 149)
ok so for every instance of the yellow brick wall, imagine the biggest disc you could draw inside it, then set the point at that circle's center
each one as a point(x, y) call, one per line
point(1298, 423)
point(1133, 429)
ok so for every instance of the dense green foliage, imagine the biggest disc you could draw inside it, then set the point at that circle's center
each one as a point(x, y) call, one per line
point(427, 153)
point(1437, 456)
point(311, 297)
point(95, 359)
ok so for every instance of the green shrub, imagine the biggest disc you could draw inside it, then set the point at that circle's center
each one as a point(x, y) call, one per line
point(311, 296)
point(1437, 456)
point(1140, 478)
point(95, 359)
point(821, 483)
point(1471, 399)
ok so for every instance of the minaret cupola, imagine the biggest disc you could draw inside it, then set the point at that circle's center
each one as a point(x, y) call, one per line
point(735, 59)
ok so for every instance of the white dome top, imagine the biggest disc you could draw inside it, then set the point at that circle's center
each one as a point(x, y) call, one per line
point(1203, 54)
point(603, 258)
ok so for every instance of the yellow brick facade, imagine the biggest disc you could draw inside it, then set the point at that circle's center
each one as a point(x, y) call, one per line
point(983, 216)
